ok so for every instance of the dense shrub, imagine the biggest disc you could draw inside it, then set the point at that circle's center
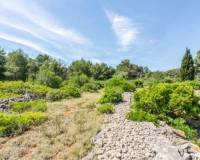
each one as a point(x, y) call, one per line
point(140, 115)
point(183, 103)
point(112, 95)
point(71, 91)
point(18, 123)
point(153, 99)
point(138, 83)
point(6, 95)
point(55, 95)
point(64, 92)
point(124, 84)
point(48, 78)
point(38, 90)
point(175, 100)
point(35, 106)
point(105, 108)
point(92, 86)
point(17, 88)
point(79, 80)
point(167, 101)
point(194, 84)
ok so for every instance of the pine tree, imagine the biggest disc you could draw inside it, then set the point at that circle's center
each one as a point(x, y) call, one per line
point(187, 66)
point(197, 65)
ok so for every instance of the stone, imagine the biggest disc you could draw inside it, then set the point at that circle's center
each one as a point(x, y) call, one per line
point(195, 148)
point(179, 133)
point(123, 139)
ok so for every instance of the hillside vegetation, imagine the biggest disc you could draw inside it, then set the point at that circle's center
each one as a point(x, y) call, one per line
point(51, 111)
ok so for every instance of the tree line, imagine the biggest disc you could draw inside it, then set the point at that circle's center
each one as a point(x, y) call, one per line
point(16, 65)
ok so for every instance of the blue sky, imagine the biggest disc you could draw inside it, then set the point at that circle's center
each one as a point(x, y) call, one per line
point(151, 33)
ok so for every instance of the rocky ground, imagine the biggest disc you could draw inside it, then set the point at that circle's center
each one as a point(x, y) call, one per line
point(121, 139)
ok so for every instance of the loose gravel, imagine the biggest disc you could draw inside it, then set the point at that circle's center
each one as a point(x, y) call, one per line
point(122, 139)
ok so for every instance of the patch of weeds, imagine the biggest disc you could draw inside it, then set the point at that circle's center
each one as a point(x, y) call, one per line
point(106, 108)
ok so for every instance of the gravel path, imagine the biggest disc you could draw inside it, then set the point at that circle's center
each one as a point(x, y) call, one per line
point(121, 139)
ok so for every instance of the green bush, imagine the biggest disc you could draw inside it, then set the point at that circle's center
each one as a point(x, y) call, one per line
point(112, 95)
point(140, 115)
point(91, 86)
point(180, 123)
point(67, 91)
point(105, 108)
point(56, 94)
point(35, 106)
point(153, 99)
point(79, 80)
point(167, 101)
point(6, 95)
point(119, 82)
point(48, 78)
point(183, 103)
point(71, 91)
point(138, 83)
point(11, 124)
point(18, 88)
point(175, 100)
point(38, 90)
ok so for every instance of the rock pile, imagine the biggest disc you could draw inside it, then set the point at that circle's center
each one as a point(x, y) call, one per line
point(121, 139)
point(4, 103)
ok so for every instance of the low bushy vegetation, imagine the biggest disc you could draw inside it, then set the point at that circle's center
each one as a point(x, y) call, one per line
point(55, 95)
point(67, 91)
point(17, 88)
point(138, 83)
point(35, 106)
point(11, 124)
point(140, 115)
point(112, 95)
point(106, 108)
point(180, 123)
point(71, 91)
point(92, 86)
point(79, 80)
point(125, 85)
point(174, 103)
point(114, 89)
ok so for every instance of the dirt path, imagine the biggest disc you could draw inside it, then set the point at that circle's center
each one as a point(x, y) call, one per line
point(123, 139)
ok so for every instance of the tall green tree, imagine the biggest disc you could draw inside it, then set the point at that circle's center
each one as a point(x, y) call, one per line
point(131, 70)
point(187, 70)
point(33, 68)
point(16, 65)
point(197, 65)
point(2, 63)
point(41, 58)
point(101, 71)
point(80, 67)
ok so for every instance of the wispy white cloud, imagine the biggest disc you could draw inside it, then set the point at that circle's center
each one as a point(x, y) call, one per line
point(124, 29)
point(31, 19)
point(21, 27)
point(26, 43)
point(37, 15)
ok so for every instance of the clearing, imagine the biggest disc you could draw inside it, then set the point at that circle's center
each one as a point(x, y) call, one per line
point(66, 135)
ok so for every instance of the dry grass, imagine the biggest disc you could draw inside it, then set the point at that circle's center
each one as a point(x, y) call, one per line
point(67, 134)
